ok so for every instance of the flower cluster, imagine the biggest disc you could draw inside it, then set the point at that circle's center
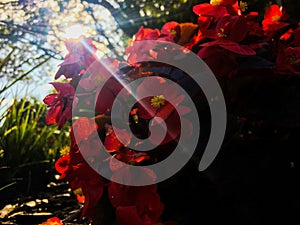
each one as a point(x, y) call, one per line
point(226, 36)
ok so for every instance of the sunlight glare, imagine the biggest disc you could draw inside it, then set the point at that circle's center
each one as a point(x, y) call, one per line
point(75, 31)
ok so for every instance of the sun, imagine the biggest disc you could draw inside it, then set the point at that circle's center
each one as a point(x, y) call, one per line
point(75, 31)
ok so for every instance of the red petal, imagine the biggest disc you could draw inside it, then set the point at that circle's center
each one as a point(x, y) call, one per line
point(217, 12)
point(62, 164)
point(287, 35)
point(271, 11)
point(170, 92)
point(146, 33)
point(182, 110)
point(273, 26)
point(164, 112)
point(50, 99)
point(112, 143)
point(107, 95)
point(92, 188)
point(83, 128)
point(123, 136)
point(204, 22)
point(91, 147)
point(173, 130)
point(63, 89)
point(99, 71)
point(202, 9)
point(69, 71)
point(80, 198)
point(234, 26)
point(52, 114)
point(145, 109)
point(70, 59)
point(172, 28)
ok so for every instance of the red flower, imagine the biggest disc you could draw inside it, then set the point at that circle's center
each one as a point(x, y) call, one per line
point(84, 177)
point(171, 29)
point(84, 127)
point(62, 165)
point(75, 155)
point(133, 50)
point(81, 55)
point(87, 139)
point(97, 73)
point(107, 95)
point(146, 34)
point(135, 205)
point(123, 154)
point(272, 17)
point(217, 8)
point(288, 61)
point(231, 30)
point(112, 143)
point(184, 34)
point(158, 106)
point(92, 188)
point(60, 104)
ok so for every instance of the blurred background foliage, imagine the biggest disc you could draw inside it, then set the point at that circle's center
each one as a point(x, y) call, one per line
point(28, 147)
point(25, 136)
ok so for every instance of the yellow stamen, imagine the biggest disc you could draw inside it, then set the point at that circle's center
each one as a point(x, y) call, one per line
point(294, 60)
point(243, 6)
point(222, 33)
point(64, 151)
point(275, 18)
point(215, 2)
point(78, 191)
point(173, 32)
point(158, 101)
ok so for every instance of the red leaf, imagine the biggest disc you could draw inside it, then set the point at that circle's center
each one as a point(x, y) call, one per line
point(239, 49)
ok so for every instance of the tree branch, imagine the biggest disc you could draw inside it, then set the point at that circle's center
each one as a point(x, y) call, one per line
point(24, 75)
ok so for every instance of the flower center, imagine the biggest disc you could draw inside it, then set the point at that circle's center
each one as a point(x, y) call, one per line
point(294, 60)
point(275, 18)
point(243, 6)
point(158, 101)
point(215, 2)
point(78, 191)
point(222, 34)
point(64, 151)
point(173, 32)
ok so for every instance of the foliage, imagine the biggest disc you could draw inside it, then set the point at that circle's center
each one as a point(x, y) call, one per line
point(26, 142)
